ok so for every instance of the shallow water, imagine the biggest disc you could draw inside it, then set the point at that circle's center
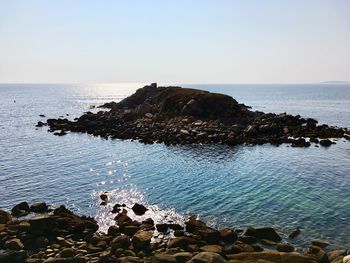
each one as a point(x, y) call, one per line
point(227, 186)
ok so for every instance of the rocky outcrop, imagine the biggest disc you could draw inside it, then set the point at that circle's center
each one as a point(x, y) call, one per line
point(175, 115)
point(60, 236)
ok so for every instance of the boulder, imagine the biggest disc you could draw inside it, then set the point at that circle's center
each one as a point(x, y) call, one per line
point(182, 257)
point(285, 247)
point(181, 241)
point(326, 142)
point(207, 257)
point(21, 209)
point(139, 209)
point(4, 217)
point(294, 233)
point(228, 235)
point(263, 233)
point(142, 239)
point(39, 208)
point(213, 248)
point(122, 241)
point(14, 244)
point(163, 258)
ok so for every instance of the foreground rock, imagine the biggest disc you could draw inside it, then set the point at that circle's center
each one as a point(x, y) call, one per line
point(61, 236)
point(174, 115)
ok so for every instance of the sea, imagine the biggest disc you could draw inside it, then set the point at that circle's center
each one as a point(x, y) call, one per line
point(226, 186)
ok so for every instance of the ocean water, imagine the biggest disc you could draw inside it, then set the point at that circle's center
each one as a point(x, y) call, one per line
point(238, 186)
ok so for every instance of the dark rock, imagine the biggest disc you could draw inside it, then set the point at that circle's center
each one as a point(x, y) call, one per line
point(14, 244)
point(228, 235)
point(104, 197)
point(285, 247)
point(39, 208)
point(294, 233)
point(12, 256)
point(182, 242)
point(320, 243)
point(122, 241)
point(5, 217)
point(163, 258)
point(142, 239)
point(207, 257)
point(21, 209)
point(326, 143)
point(264, 233)
point(162, 228)
point(139, 209)
point(113, 231)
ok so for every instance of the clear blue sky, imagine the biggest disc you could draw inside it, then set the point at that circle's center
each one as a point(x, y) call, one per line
point(189, 41)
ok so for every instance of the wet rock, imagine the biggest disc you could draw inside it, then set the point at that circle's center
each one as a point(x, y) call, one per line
point(285, 247)
point(248, 239)
point(103, 197)
point(139, 209)
point(336, 254)
point(320, 243)
point(21, 209)
point(162, 228)
point(326, 142)
point(142, 239)
point(39, 208)
point(130, 259)
point(175, 227)
point(318, 254)
point(207, 257)
point(14, 244)
point(294, 233)
point(264, 233)
point(228, 235)
point(4, 217)
point(130, 230)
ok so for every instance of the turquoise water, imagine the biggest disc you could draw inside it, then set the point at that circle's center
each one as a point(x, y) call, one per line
point(227, 186)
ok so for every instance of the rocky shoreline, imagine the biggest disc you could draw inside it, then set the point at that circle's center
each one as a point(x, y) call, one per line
point(175, 115)
point(38, 233)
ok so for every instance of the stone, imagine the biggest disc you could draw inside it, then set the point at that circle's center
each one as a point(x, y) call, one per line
point(130, 259)
point(263, 233)
point(4, 217)
point(39, 208)
point(294, 233)
point(163, 258)
point(68, 252)
point(122, 241)
point(11, 256)
point(149, 115)
point(21, 209)
point(163, 228)
point(181, 241)
point(326, 142)
point(335, 254)
point(207, 257)
point(320, 243)
point(346, 259)
point(103, 197)
point(14, 244)
point(139, 209)
point(184, 132)
point(285, 247)
point(113, 231)
point(268, 255)
point(130, 230)
point(228, 235)
point(142, 239)
point(294, 257)
point(182, 257)
point(213, 248)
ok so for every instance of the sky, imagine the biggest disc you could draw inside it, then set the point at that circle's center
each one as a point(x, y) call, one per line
point(179, 41)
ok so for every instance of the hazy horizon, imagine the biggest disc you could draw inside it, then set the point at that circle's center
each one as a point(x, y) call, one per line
point(192, 42)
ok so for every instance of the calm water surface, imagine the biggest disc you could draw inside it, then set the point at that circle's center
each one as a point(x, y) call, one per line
point(227, 186)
